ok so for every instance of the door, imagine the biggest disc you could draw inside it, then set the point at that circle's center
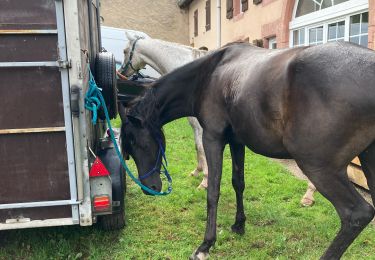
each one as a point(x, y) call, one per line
point(38, 183)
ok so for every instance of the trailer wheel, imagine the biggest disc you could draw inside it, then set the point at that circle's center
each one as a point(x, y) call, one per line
point(105, 76)
point(111, 222)
point(116, 220)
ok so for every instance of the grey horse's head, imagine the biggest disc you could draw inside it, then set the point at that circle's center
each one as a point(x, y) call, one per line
point(132, 60)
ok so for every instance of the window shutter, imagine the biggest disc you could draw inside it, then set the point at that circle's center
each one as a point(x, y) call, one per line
point(229, 9)
point(208, 15)
point(257, 2)
point(196, 22)
point(245, 5)
point(258, 42)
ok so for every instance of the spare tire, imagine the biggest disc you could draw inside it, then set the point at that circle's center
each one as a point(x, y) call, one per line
point(105, 77)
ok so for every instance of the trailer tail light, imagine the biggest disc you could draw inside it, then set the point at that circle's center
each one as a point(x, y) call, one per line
point(98, 169)
point(102, 203)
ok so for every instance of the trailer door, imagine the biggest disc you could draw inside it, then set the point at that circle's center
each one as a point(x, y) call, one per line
point(37, 168)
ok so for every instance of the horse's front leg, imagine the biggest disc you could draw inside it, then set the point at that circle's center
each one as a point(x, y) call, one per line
point(201, 158)
point(214, 148)
point(238, 181)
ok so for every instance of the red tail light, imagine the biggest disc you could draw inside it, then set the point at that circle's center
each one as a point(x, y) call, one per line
point(102, 203)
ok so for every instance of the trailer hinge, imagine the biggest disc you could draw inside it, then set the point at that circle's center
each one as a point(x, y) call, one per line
point(64, 64)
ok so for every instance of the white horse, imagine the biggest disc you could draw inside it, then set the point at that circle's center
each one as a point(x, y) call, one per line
point(164, 57)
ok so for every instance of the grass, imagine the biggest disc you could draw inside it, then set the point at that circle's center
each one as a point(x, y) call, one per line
point(172, 227)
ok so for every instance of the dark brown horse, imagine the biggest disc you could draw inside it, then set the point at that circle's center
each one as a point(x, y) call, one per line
point(315, 104)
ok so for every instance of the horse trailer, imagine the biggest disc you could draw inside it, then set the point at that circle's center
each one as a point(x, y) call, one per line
point(48, 145)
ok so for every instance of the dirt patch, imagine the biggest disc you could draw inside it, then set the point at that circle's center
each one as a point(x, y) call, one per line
point(292, 167)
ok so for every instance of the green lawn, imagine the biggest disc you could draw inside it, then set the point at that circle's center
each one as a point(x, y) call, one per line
point(172, 227)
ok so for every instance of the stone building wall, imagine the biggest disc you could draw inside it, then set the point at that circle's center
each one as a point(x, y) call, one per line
point(161, 19)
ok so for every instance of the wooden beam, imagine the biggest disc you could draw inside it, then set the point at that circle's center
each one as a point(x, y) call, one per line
point(357, 176)
point(32, 130)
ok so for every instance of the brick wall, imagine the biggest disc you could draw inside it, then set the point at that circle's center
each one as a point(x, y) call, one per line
point(161, 19)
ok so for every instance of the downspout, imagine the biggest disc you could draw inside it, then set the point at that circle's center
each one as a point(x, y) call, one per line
point(218, 22)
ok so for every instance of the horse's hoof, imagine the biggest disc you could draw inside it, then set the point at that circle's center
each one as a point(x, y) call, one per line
point(202, 186)
point(199, 256)
point(195, 173)
point(306, 202)
point(238, 229)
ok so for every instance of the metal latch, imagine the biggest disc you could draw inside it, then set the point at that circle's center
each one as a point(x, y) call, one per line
point(74, 100)
point(64, 64)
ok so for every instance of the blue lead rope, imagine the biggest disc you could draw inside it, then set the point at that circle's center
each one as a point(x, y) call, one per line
point(93, 101)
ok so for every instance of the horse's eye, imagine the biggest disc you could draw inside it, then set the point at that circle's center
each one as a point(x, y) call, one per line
point(132, 141)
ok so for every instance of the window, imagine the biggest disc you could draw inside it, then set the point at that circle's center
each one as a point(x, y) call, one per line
point(196, 23)
point(320, 21)
point(208, 15)
point(299, 37)
point(336, 31)
point(229, 9)
point(309, 6)
point(359, 29)
point(356, 32)
point(316, 35)
point(272, 43)
point(244, 5)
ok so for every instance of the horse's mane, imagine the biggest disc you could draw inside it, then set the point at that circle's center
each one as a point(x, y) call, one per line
point(148, 108)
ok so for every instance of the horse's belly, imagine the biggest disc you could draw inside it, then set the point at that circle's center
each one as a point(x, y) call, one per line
point(262, 140)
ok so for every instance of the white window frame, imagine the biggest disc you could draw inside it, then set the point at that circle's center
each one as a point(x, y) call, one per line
point(316, 42)
point(272, 41)
point(342, 20)
point(326, 16)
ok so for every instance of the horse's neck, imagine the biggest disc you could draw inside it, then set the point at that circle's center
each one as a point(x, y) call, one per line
point(179, 94)
point(164, 57)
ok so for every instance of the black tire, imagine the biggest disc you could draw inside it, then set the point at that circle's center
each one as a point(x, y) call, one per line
point(116, 220)
point(112, 222)
point(105, 77)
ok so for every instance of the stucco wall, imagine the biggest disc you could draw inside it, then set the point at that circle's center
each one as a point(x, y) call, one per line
point(204, 38)
point(161, 19)
point(259, 21)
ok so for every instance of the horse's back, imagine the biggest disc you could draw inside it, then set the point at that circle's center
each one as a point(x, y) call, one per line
point(300, 95)
point(331, 102)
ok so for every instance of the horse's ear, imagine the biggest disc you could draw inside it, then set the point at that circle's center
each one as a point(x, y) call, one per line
point(129, 36)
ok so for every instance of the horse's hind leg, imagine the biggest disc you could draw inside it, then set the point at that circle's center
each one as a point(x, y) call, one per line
point(355, 213)
point(367, 159)
point(308, 199)
point(238, 182)
point(201, 158)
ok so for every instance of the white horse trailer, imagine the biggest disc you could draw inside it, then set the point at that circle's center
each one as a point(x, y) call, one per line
point(46, 50)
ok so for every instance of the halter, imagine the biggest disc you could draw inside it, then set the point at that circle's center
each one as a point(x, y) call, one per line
point(129, 63)
point(164, 164)
point(93, 101)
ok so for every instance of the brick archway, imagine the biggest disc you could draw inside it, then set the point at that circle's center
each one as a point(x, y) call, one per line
point(371, 24)
point(286, 17)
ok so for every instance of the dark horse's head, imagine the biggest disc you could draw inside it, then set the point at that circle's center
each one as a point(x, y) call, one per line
point(144, 141)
